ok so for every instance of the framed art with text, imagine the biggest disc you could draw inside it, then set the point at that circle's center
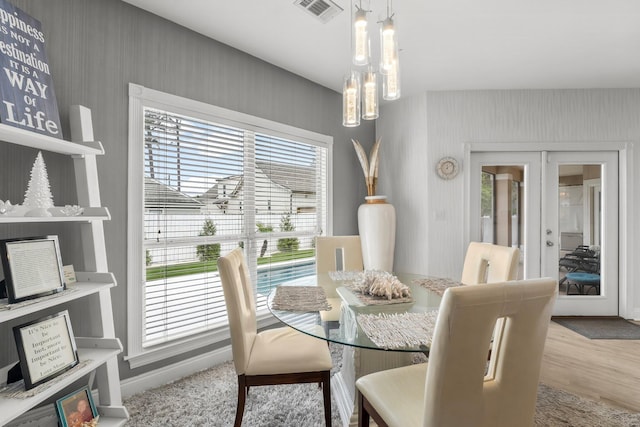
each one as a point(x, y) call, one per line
point(26, 85)
point(46, 348)
point(32, 267)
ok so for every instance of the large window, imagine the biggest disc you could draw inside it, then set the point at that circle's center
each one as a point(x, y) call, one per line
point(203, 181)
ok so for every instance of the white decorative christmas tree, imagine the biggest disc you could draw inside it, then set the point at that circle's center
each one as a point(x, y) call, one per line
point(38, 196)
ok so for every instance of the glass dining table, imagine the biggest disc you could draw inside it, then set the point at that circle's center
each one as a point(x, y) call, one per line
point(362, 351)
point(348, 330)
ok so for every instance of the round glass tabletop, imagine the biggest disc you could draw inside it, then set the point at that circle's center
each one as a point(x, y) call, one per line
point(359, 322)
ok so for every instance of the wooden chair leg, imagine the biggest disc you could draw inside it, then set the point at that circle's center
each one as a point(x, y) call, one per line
point(326, 393)
point(363, 415)
point(367, 411)
point(242, 394)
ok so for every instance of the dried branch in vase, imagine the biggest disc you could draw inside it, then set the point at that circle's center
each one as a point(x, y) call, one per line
point(369, 165)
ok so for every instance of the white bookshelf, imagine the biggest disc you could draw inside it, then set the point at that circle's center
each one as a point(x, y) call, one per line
point(100, 355)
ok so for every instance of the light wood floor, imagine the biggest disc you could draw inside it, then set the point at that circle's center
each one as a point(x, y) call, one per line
point(606, 370)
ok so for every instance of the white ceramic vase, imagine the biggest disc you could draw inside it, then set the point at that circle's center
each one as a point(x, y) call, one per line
point(377, 229)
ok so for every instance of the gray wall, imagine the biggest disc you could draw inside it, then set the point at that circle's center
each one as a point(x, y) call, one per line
point(417, 132)
point(97, 47)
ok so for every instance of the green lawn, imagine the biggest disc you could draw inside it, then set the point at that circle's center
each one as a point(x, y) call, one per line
point(174, 270)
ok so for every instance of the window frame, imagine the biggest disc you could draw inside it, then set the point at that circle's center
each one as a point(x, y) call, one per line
point(139, 98)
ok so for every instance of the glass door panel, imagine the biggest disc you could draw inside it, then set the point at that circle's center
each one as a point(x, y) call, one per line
point(561, 210)
point(581, 231)
point(504, 190)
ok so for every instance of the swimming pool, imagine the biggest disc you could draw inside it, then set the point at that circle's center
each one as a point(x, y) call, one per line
point(269, 278)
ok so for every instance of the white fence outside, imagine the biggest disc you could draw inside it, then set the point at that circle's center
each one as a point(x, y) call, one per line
point(160, 227)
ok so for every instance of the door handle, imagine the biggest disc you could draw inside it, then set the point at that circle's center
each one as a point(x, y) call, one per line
point(549, 243)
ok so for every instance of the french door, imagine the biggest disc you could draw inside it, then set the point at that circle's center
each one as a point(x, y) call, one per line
point(561, 210)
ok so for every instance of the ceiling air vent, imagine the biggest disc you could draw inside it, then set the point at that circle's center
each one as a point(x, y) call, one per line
point(324, 10)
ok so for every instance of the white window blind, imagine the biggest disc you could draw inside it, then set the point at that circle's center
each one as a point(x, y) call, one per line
point(209, 187)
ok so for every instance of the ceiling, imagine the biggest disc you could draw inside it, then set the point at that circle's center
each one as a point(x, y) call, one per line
point(445, 45)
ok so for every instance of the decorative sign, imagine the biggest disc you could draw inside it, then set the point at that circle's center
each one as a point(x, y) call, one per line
point(32, 267)
point(46, 348)
point(69, 274)
point(26, 85)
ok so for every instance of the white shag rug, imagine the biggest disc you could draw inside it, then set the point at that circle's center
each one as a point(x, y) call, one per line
point(208, 398)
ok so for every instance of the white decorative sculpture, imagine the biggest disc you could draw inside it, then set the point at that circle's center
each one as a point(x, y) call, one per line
point(38, 198)
point(381, 284)
point(72, 210)
point(5, 207)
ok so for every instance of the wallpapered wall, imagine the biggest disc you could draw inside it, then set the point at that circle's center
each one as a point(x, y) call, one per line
point(417, 132)
point(97, 47)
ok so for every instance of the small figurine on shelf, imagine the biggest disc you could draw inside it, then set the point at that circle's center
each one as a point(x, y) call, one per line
point(38, 198)
point(72, 210)
point(5, 207)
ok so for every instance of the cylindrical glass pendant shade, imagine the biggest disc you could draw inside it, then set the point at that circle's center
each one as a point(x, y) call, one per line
point(370, 96)
point(388, 45)
point(351, 100)
point(360, 91)
point(360, 37)
point(391, 83)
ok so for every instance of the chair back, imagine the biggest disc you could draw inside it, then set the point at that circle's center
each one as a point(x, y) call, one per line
point(240, 302)
point(459, 391)
point(333, 251)
point(488, 263)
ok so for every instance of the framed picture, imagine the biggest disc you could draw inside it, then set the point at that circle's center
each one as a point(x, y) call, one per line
point(76, 408)
point(46, 348)
point(32, 267)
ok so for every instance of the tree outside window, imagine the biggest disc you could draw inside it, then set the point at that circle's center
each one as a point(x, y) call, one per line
point(287, 244)
point(208, 252)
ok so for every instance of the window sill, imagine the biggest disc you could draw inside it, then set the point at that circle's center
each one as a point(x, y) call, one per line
point(178, 347)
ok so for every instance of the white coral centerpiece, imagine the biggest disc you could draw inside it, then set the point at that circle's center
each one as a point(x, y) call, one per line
point(381, 284)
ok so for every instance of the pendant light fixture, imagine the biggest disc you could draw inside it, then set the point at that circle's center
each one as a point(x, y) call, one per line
point(370, 95)
point(360, 89)
point(360, 45)
point(391, 82)
point(388, 42)
point(351, 100)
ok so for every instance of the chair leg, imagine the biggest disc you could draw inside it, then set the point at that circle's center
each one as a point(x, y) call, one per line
point(326, 393)
point(363, 415)
point(242, 394)
point(367, 411)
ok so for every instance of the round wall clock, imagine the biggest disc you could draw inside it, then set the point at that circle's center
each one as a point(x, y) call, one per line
point(447, 168)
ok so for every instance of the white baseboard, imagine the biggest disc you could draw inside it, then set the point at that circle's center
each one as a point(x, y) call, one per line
point(174, 372)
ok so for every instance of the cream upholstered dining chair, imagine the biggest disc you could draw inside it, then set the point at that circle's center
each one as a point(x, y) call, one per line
point(337, 253)
point(454, 388)
point(489, 263)
point(274, 356)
